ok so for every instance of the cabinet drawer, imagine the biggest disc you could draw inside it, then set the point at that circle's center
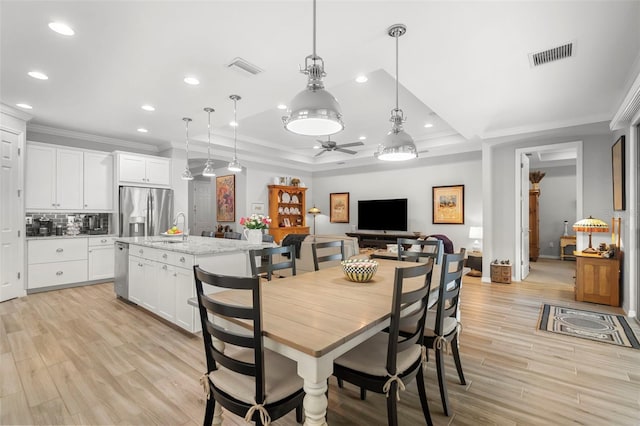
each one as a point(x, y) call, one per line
point(181, 260)
point(57, 250)
point(101, 241)
point(58, 273)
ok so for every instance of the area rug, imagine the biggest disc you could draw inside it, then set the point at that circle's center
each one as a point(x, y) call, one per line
point(596, 326)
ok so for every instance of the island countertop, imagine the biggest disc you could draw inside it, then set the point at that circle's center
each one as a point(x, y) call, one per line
point(194, 245)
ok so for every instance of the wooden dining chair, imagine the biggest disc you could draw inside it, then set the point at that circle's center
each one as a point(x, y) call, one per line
point(267, 267)
point(388, 361)
point(236, 378)
point(233, 235)
point(442, 329)
point(324, 248)
point(419, 250)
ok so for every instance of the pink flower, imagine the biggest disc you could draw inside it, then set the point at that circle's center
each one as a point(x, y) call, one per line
point(243, 220)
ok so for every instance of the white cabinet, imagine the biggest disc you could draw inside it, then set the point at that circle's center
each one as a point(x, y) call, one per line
point(53, 178)
point(56, 262)
point(98, 181)
point(150, 286)
point(187, 316)
point(101, 258)
point(166, 291)
point(144, 170)
point(136, 279)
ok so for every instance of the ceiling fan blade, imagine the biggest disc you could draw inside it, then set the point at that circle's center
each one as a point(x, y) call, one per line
point(320, 153)
point(350, 144)
point(346, 151)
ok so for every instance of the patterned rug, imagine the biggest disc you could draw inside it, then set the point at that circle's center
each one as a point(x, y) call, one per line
point(596, 326)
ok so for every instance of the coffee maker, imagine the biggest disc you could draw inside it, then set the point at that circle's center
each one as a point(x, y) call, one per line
point(43, 226)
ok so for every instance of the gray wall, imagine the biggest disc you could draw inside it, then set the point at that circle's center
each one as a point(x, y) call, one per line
point(557, 203)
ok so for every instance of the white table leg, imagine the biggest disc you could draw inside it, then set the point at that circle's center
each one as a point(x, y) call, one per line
point(315, 403)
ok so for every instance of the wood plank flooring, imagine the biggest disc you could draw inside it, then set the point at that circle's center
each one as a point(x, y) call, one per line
point(80, 356)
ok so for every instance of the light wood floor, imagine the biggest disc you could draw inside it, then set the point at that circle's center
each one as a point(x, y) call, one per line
point(79, 356)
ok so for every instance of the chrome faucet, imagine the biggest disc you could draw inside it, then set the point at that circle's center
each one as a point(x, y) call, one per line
point(184, 224)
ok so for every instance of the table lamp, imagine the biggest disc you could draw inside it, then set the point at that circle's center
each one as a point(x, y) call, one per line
point(590, 225)
point(475, 233)
point(315, 212)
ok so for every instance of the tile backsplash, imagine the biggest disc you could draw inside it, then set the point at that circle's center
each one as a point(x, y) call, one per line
point(101, 221)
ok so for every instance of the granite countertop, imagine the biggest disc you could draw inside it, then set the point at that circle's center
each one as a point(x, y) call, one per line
point(61, 237)
point(194, 245)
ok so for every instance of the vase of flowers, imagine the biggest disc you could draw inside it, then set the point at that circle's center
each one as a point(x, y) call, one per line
point(253, 226)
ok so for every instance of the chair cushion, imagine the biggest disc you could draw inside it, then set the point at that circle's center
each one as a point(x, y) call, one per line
point(370, 357)
point(450, 324)
point(280, 374)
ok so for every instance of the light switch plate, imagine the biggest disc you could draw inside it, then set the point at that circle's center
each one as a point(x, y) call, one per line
point(29, 220)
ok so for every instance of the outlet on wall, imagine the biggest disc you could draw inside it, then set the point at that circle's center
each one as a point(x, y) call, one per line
point(551, 244)
point(29, 220)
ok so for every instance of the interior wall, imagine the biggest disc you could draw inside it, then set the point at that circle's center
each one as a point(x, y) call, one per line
point(557, 203)
point(414, 182)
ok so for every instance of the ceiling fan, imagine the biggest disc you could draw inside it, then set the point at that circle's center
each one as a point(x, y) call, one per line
point(330, 145)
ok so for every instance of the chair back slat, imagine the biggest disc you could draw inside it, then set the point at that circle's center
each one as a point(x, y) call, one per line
point(233, 235)
point(428, 249)
point(404, 300)
point(266, 260)
point(210, 309)
point(324, 247)
point(449, 291)
point(208, 234)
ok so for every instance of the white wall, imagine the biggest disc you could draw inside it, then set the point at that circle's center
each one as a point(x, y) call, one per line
point(414, 182)
point(557, 203)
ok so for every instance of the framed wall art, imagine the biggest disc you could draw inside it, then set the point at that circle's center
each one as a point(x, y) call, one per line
point(257, 208)
point(617, 174)
point(226, 198)
point(448, 204)
point(339, 207)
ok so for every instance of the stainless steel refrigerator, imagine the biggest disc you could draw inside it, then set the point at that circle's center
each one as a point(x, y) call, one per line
point(145, 211)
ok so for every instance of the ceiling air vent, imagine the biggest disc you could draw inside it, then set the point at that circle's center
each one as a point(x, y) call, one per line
point(245, 66)
point(550, 55)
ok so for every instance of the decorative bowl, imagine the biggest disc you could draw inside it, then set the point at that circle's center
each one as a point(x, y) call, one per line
point(359, 270)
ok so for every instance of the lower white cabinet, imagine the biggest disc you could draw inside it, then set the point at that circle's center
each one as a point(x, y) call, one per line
point(57, 273)
point(187, 316)
point(101, 263)
point(166, 291)
point(56, 262)
point(136, 279)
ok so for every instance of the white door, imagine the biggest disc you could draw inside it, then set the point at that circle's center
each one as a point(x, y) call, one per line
point(10, 218)
point(524, 215)
point(98, 181)
point(158, 171)
point(203, 207)
point(101, 263)
point(40, 177)
point(69, 182)
point(132, 169)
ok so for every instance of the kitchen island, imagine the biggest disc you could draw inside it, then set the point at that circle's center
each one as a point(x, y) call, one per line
point(159, 272)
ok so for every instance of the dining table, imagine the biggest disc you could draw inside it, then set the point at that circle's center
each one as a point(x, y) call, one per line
point(315, 317)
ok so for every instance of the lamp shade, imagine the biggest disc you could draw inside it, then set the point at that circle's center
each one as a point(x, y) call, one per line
point(590, 225)
point(475, 232)
point(314, 112)
point(314, 210)
point(397, 146)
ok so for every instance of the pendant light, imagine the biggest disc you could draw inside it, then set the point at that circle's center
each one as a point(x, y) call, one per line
point(186, 174)
point(208, 166)
point(235, 166)
point(314, 111)
point(397, 145)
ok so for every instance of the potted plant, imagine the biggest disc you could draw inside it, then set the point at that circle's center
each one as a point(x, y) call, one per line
point(254, 225)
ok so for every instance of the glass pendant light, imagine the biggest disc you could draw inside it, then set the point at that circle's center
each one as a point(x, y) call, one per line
point(397, 145)
point(234, 165)
point(208, 166)
point(186, 174)
point(314, 111)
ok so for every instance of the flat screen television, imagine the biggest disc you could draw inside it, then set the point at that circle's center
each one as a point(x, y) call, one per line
point(382, 215)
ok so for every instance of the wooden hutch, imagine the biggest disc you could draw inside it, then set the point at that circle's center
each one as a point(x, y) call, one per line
point(287, 210)
point(534, 225)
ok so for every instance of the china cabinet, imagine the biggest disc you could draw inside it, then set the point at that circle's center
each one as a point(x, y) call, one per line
point(534, 225)
point(287, 210)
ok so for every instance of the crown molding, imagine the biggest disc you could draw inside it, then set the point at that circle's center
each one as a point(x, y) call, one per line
point(73, 134)
point(629, 107)
point(19, 114)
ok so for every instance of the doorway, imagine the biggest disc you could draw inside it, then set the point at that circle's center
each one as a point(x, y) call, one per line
point(552, 158)
point(203, 208)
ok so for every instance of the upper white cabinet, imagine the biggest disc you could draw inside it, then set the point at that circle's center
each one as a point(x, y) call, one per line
point(53, 178)
point(58, 178)
point(144, 170)
point(98, 181)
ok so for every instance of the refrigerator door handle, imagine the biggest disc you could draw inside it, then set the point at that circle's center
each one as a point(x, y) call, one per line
point(149, 229)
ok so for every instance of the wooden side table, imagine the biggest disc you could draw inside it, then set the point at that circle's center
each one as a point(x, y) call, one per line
point(598, 278)
point(501, 273)
point(565, 241)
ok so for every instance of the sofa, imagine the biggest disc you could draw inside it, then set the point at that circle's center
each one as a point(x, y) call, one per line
point(304, 260)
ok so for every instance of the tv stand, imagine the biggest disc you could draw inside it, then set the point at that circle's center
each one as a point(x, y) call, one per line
point(379, 239)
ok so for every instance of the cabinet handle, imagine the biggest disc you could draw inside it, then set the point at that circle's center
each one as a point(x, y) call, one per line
point(164, 267)
point(86, 205)
point(140, 264)
point(175, 275)
point(59, 250)
point(59, 273)
point(53, 204)
point(103, 241)
point(140, 251)
point(182, 259)
point(164, 256)
point(90, 251)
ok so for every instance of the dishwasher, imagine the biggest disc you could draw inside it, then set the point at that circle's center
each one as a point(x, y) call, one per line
point(121, 279)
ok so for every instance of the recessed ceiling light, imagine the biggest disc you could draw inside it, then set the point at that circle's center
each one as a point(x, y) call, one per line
point(361, 79)
point(148, 107)
point(317, 147)
point(24, 106)
point(192, 81)
point(282, 106)
point(362, 138)
point(428, 125)
point(61, 28)
point(233, 124)
point(143, 130)
point(38, 75)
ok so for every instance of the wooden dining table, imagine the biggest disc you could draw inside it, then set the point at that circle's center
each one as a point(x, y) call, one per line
point(315, 317)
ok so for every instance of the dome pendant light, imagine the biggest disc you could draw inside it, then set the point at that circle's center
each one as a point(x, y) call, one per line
point(186, 174)
point(397, 145)
point(208, 166)
point(314, 111)
point(235, 166)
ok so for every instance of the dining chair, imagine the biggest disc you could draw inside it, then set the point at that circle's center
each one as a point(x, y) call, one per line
point(420, 249)
point(233, 235)
point(236, 376)
point(208, 234)
point(388, 361)
point(442, 329)
point(324, 248)
point(267, 267)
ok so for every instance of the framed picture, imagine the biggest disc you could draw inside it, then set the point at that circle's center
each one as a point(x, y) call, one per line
point(339, 207)
point(617, 174)
point(257, 208)
point(448, 204)
point(226, 198)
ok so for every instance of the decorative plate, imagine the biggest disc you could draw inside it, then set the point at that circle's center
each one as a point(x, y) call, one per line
point(286, 210)
point(294, 199)
point(286, 198)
